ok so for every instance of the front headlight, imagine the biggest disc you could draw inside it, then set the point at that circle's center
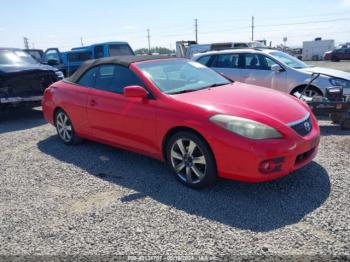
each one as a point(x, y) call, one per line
point(339, 82)
point(59, 74)
point(245, 127)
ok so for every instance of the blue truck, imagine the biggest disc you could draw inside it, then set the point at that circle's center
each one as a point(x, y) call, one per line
point(69, 61)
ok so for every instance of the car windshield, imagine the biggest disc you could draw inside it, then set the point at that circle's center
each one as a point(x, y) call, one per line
point(180, 76)
point(16, 57)
point(120, 49)
point(289, 60)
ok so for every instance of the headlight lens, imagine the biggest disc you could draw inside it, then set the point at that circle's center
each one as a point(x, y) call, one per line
point(339, 82)
point(59, 74)
point(245, 127)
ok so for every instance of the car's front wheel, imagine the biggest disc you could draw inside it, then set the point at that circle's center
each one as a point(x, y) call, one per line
point(191, 160)
point(65, 129)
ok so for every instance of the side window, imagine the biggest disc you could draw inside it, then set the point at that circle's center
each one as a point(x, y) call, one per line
point(79, 56)
point(348, 51)
point(204, 60)
point(52, 55)
point(256, 62)
point(268, 63)
point(114, 78)
point(98, 51)
point(227, 61)
point(340, 51)
point(88, 79)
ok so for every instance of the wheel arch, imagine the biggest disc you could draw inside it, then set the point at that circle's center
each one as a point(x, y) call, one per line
point(304, 85)
point(178, 129)
point(55, 111)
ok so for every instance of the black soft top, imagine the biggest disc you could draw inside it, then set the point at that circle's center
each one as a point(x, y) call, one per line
point(117, 60)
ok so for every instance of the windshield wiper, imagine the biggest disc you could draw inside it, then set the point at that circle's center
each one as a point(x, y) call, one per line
point(182, 91)
point(215, 85)
point(197, 89)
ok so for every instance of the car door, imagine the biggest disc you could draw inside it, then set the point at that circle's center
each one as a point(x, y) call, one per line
point(257, 71)
point(122, 121)
point(228, 65)
point(76, 100)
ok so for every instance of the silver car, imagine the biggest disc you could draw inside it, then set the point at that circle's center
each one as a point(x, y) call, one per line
point(274, 69)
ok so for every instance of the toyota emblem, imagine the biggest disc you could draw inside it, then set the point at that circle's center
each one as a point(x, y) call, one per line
point(307, 126)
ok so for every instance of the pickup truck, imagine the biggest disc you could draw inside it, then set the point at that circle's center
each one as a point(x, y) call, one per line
point(68, 62)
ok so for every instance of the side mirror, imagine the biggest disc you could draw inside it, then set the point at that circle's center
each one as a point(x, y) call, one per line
point(276, 68)
point(52, 62)
point(135, 91)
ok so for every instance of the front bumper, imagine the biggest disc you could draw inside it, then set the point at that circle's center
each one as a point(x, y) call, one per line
point(243, 161)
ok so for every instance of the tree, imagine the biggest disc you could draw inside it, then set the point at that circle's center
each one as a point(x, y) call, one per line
point(157, 49)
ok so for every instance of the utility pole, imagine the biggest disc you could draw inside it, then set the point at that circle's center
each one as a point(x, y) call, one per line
point(149, 42)
point(81, 41)
point(196, 29)
point(252, 28)
point(26, 42)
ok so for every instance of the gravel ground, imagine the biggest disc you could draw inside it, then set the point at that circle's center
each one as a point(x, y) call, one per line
point(93, 199)
point(343, 65)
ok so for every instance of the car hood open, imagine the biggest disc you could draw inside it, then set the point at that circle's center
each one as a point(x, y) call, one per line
point(254, 102)
point(328, 72)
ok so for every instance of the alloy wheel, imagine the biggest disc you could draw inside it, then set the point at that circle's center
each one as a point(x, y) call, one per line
point(188, 161)
point(64, 127)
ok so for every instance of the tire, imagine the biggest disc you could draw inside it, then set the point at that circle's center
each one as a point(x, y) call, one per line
point(345, 124)
point(65, 129)
point(311, 92)
point(336, 117)
point(335, 59)
point(191, 160)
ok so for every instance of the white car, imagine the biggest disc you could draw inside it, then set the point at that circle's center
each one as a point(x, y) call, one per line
point(273, 69)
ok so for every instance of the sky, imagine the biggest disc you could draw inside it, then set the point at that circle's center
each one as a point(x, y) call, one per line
point(62, 24)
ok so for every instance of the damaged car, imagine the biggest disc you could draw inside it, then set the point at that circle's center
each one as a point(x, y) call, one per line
point(22, 79)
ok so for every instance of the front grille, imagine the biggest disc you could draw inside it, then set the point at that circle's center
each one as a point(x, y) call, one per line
point(302, 127)
point(24, 84)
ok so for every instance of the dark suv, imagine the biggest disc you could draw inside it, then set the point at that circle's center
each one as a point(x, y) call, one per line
point(338, 54)
point(22, 79)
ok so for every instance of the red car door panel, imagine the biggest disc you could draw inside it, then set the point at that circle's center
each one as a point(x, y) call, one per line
point(128, 122)
point(73, 100)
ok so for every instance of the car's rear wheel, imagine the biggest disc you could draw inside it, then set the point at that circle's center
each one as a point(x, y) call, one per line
point(310, 92)
point(336, 117)
point(191, 160)
point(65, 129)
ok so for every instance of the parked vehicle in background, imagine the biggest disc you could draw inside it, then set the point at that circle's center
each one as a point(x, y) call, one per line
point(314, 50)
point(68, 62)
point(273, 69)
point(184, 113)
point(22, 79)
point(37, 54)
point(187, 49)
point(338, 54)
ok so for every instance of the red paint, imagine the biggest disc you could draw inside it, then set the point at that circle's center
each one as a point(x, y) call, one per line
point(140, 124)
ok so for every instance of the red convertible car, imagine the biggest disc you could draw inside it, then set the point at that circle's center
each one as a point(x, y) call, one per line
point(204, 125)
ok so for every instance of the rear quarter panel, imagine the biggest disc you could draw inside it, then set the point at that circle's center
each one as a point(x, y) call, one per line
point(72, 99)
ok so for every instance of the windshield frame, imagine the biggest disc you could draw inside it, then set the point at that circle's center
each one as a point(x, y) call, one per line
point(145, 66)
point(29, 60)
point(292, 58)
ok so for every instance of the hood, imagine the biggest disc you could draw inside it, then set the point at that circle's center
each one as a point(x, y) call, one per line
point(6, 69)
point(253, 102)
point(328, 72)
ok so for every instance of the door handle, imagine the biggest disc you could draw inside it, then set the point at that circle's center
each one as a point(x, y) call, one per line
point(93, 102)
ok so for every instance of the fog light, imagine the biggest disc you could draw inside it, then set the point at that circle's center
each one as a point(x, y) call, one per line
point(271, 165)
